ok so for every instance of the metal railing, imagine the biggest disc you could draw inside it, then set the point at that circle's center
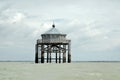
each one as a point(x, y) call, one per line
point(52, 41)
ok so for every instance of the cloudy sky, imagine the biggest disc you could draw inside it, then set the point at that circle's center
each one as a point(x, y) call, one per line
point(92, 25)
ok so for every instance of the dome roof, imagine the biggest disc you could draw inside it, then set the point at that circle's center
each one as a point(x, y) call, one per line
point(53, 30)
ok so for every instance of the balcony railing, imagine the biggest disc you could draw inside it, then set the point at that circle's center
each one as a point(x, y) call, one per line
point(52, 41)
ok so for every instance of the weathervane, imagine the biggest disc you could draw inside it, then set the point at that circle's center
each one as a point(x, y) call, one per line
point(53, 25)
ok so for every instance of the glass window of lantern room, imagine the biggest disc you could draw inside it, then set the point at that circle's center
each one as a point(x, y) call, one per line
point(53, 36)
point(44, 36)
point(47, 36)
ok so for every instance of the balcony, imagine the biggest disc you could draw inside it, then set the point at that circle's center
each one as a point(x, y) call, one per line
point(52, 41)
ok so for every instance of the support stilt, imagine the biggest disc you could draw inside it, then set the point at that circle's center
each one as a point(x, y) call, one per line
point(64, 54)
point(50, 55)
point(56, 57)
point(47, 53)
point(42, 53)
point(69, 52)
point(36, 54)
point(59, 54)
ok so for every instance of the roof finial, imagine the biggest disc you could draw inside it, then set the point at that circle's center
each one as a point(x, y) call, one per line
point(53, 25)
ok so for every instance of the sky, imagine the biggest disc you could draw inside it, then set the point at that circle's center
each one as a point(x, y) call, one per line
point(92, 25)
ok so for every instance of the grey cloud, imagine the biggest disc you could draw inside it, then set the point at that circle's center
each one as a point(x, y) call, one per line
point(92, 25)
